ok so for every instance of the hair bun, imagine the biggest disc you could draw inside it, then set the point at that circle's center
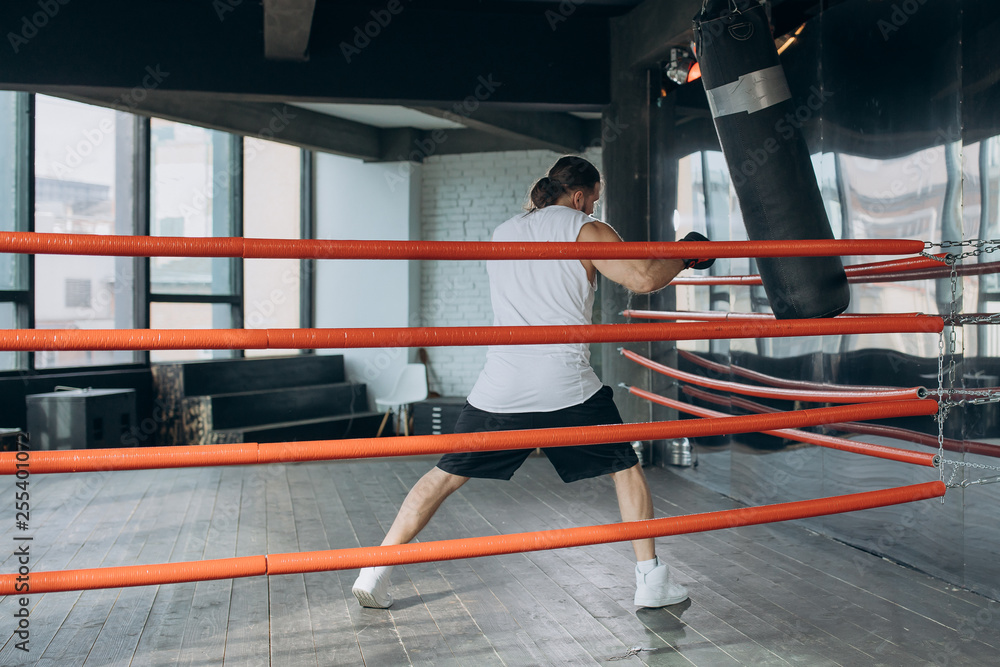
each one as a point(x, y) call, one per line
point(569, 173)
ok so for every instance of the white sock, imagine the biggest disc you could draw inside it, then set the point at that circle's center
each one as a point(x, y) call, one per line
point(378, 571)
point(647, 566)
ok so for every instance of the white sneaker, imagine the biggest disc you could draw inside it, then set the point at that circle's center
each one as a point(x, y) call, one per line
point(655, 589)
point(371, 588)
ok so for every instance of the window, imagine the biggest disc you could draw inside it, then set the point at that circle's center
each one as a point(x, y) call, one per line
point(14, 201)
point(194, 192)
point(75, 168)
point(83, 185)
point(272, 177)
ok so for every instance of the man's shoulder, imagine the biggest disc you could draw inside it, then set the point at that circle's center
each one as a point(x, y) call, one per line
point(555, 221)
point(510, 226)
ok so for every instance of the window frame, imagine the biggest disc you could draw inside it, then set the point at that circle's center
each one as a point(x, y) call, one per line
point(24, 220)
point(141, 195)
point(307, 267)
point(235, 228)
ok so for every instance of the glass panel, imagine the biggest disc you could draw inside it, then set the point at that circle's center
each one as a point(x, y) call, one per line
point(981, 197)
point(886, 140)
point(690, 216)
point(272, 209)
point(900, 197)
point(13, 194)
point(189, 316)
point(80, 187)
point(191, 195)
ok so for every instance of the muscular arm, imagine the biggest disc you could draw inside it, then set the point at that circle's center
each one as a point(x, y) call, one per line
point(639, 275)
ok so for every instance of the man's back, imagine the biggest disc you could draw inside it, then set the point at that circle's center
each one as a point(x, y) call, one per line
point(538, 378)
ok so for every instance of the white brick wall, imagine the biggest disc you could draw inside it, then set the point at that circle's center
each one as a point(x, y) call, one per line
point(464, 197)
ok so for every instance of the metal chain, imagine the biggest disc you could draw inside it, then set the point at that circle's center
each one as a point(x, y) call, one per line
point(951, 484)
point(936, 258)
point(967, 243)
point(952, 315)
point(945, 406)
point(985, 480)
point(981, 318)
point(991, 398)
point(942, 413)
point(953, 321)
point(979, 246)
point(968, 392)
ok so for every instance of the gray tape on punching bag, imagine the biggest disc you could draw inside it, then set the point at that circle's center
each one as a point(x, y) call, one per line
point(749, 93)
point(768, 158)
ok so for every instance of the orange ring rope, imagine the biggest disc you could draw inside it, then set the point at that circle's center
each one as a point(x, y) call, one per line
point(251, 248)
point(985, 268)
point(757, 376)
point(31, 340)
point(855, 274)
point(470, 547)
point(776, 393)
point(895, 432)
point(251, 453)
point(866, 448)
point(724, 315)
point(897, 265)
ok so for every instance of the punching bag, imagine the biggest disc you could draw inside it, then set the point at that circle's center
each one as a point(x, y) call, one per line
point(767, 156)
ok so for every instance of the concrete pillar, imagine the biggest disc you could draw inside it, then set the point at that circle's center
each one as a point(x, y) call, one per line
point(626, 173)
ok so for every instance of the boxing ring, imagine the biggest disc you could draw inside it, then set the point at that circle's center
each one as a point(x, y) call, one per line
point(855, 404)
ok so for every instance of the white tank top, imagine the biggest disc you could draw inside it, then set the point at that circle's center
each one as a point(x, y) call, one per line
point(538, 378)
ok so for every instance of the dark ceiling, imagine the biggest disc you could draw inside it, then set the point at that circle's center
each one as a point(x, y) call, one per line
point(518, 66)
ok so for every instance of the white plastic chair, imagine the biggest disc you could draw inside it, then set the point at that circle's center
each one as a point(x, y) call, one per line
point(410, 388)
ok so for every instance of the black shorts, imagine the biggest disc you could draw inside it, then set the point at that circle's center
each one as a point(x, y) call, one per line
point(572, 463)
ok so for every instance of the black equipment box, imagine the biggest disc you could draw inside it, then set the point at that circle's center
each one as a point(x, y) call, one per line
point(81, 418)
point(436, 415)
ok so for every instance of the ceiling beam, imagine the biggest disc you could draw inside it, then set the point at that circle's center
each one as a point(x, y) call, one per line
point(352, 56)
point(560, 132)
point(476, 141)
point(409, 144)
point(287, 25)
point(652, 28)
point(273, 122)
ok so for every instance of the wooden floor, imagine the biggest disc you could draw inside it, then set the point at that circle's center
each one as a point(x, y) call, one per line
point(768, 595)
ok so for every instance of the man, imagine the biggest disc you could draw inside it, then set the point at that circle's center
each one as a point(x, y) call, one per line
point(546, 386)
